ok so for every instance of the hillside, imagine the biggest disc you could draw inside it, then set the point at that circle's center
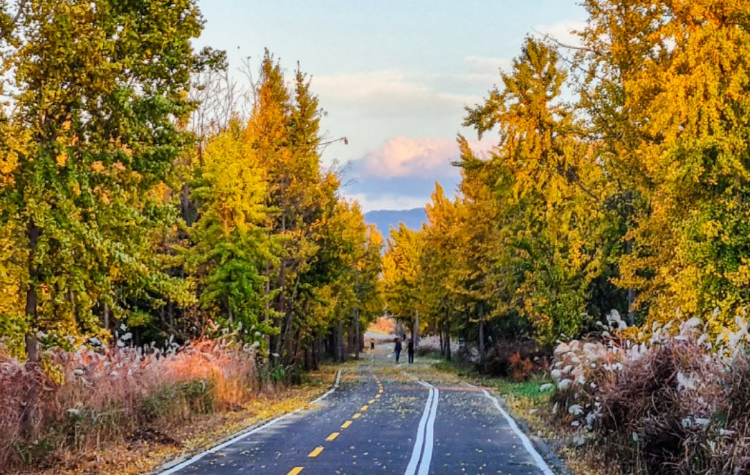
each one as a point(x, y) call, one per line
point(384, 219)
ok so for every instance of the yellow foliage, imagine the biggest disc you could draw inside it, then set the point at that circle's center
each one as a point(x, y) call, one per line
point(61, 159)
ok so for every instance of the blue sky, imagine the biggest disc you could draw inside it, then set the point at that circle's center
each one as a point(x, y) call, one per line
point(392, 75)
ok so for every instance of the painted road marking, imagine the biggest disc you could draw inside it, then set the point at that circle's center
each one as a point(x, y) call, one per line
point(333, 436)
point(524, 438)
point(346, 424)
point(364, 408)
point(335, 387)
point(315, 452)
point(295, 471)
point(356, 416)
point(377, 397)
point(370, 401)
point(245, 434)
point(424, 464)
point(421, 455)
point(380, 391)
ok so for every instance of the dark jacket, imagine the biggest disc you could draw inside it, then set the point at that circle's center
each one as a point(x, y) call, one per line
point(398, 346)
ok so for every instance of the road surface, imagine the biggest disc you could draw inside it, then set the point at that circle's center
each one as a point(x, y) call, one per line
point(383, 419)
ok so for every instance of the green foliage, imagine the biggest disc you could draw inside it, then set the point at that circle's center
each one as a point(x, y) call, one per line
point(111, 212)
point(524, 237)
point(98, 88)
point(632, 197)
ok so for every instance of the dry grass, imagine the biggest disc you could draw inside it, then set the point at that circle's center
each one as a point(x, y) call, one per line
point(675, 406)
point(90, 400)
point(141, 456)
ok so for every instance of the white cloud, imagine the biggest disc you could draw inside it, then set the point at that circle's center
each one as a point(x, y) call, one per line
point(388, 201)
point(485, 65)
point(386, 93)
point(562, 32)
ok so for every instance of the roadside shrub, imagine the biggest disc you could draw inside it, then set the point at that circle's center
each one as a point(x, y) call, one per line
point(675, 404)
point(732, 452)
point(431, 345)
point(90, 398)
point(516, 359)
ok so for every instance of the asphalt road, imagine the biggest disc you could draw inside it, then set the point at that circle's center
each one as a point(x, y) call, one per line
point(382, 420)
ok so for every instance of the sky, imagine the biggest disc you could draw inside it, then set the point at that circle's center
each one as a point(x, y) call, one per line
point(393, 76)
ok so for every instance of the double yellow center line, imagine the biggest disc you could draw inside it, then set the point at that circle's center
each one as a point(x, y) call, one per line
point(317, 451)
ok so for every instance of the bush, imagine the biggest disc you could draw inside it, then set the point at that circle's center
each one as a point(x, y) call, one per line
point(430, 344)
point(516, 359)
point(675, 404)
point(91, 398)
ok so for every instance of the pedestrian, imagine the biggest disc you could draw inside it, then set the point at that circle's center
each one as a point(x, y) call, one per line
point(410, 349)
point(397, 349)
point(372, 343)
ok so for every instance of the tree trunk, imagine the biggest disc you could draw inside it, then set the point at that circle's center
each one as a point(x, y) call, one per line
point(267, 314)
point(415, 330)
point(448, 338)
point(356, 333)
point(106, 316)
point(339, 342)
point(30, 414)
point(314, 354)
point(631, 292)
point(481, 345)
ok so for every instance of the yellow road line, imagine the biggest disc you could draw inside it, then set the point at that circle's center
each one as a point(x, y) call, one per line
point(377, 397)
point(295, 471)
point(315, 452)
point(380, 391)
point(364, 408)
point(346, 424)
point(370, 401)
point(356, 416)
point(332, 436)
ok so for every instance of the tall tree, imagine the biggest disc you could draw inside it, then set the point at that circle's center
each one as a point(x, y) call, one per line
point(96, 88)
point(230, 240)
point(668, 91)
point(401, 273)
point(551, 189)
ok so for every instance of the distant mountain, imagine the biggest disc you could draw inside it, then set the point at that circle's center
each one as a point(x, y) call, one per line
point(384, 219)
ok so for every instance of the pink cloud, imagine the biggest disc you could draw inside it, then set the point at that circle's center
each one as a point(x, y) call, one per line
point(407, 157)
point(403, 156)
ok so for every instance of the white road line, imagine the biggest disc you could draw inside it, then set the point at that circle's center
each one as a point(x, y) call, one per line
point(411, 469)
point(212, 450)
point(243, 435)
point(335, 387)
point(524, 438)
point(421, 455)
point(424, 465)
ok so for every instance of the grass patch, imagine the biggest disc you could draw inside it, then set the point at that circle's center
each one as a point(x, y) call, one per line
point(526, 400)
point(525, 390)
point(458, 368)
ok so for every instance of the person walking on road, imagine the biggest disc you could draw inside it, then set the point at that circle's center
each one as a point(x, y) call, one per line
point(410, 350)
point(397, 349)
